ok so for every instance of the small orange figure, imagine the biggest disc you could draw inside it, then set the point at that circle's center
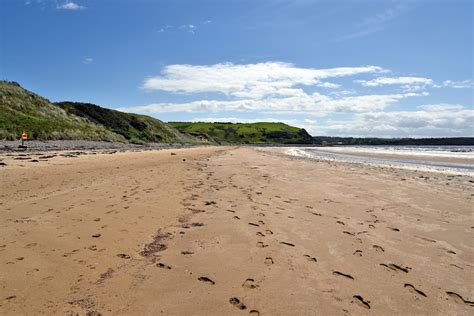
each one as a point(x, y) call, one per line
point(24, 137)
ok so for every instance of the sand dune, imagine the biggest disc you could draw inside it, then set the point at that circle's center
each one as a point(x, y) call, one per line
point(227, 230)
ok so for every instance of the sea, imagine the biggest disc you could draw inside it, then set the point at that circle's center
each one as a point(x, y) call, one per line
point(445, 159)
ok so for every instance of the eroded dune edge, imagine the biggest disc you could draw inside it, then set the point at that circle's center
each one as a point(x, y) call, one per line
point(230, 230)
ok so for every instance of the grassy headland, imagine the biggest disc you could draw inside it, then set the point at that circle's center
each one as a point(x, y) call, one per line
point(246, 133)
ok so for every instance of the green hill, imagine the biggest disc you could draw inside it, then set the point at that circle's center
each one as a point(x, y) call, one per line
point(132, 127)
point(246, 133)
point(24, 111)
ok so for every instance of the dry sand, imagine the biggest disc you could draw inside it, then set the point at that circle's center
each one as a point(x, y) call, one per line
point(231, 231)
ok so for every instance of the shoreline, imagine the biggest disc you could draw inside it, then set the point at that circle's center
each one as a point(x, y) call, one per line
point(434, 164)
point(212, 230)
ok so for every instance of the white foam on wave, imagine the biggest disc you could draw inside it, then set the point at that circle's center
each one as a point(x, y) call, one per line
point(464, 152)
point(324, 155)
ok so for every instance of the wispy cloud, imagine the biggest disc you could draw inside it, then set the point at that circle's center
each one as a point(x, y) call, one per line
point(415, 83)
point(87, 60)
point(382, 81)
point(190, 28)
point(440, 107)
point(207, 22)
point(372, 24)
point(465, 84)
point(70, 6)
point(314, 104)
point(383, 17)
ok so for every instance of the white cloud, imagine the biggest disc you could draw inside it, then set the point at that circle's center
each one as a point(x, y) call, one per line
point(383, 17)
point(87, 60)
point(310, 104)
point(402, 124)
point(207, 22)
point(466, 84)
point(372, 24)
point(440, 107)
point(190, 28)
point(70, 6)
point(407, 81)
point(247, 81)
point(273, 89)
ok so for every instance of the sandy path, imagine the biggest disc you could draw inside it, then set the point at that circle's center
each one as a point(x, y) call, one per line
point(231, 228)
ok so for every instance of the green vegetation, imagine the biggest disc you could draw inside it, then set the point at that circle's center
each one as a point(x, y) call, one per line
point(133, 127)
point(243, 133)
point(24, 111)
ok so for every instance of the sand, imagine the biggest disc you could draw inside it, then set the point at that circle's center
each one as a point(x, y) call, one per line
point(234, 231)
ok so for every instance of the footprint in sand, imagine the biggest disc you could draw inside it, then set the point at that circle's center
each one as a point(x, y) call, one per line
point(123, 256)
point(378, 248)
point(269, 232)
point(236, 302)
point(253, 224)
point(413, 289)
point(249, 284)
point(260, 234)
point(313, 259)
point(206, 280)
point(340, 223)
point(287, 243)
point(261, 222)
point(261, 245)
point(359, 300)
point(358, 253)
point(268, 261)
point(163, 266)
point(459, 299)
point(337, 273)
point(396, 267)
point(236, 217)
point(254, 312)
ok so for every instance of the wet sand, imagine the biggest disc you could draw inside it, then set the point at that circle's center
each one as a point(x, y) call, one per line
point(226, 230)
point(402, 156)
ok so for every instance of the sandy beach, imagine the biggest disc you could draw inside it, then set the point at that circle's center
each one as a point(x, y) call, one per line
point(230, 231)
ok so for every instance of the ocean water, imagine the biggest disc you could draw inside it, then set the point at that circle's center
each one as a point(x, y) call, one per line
point(445, 159)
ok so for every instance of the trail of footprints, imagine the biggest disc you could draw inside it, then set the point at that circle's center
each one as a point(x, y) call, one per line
point(158, 244)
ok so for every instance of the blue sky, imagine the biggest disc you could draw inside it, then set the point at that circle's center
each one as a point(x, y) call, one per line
point(348, 68)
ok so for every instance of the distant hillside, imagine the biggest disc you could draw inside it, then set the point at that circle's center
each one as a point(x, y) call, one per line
point(24, 111)
point(246, 133)
point(133, 127)
point(445, 141)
